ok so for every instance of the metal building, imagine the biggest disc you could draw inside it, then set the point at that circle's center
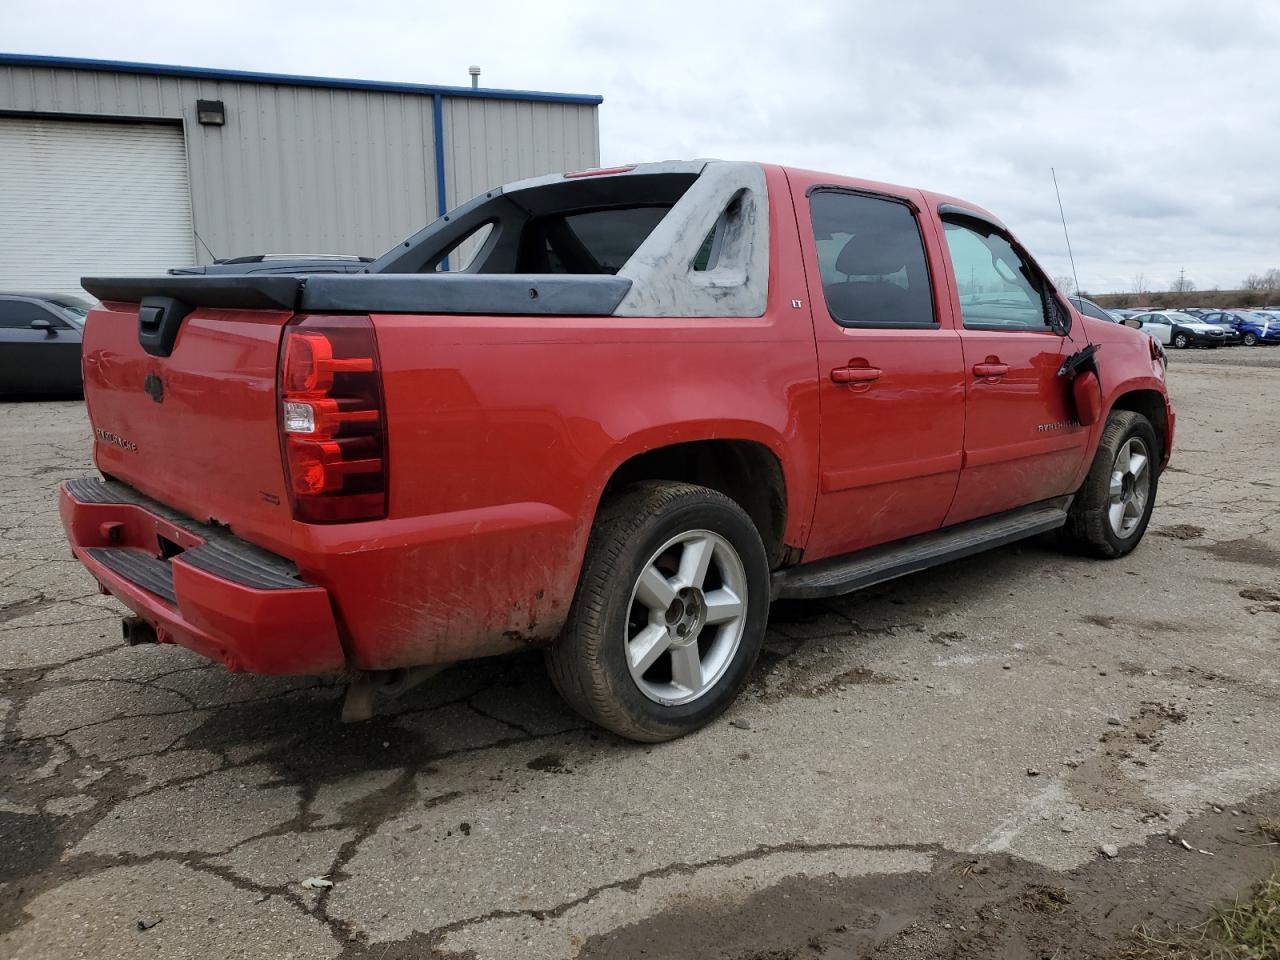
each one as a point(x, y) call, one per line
point(130, 168)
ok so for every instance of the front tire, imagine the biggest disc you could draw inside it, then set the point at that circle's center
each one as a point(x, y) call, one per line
point(1181, 341)
point(669, 615)
point(1250, 339)
point(1113, 506)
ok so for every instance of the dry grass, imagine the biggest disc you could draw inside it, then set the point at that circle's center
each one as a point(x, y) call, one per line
point(1247, 930)
point(1270, 829)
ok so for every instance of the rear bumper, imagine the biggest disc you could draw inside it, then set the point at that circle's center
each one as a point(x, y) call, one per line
point(198, 586)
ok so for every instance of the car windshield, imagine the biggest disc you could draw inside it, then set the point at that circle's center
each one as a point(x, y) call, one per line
point(1182, 318)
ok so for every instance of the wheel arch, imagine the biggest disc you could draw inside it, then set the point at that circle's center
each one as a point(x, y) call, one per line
point(1153, 405)
point(748, 472)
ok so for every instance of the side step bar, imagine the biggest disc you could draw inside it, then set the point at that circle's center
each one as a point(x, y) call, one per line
point(855, 571)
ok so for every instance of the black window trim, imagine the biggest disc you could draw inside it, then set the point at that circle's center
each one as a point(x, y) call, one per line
point(924, 249)
point(950, 213)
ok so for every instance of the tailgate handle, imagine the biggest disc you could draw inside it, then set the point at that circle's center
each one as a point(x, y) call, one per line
point(158, 322)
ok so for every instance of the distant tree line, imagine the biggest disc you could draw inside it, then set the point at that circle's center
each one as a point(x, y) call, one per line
point(1256, 290)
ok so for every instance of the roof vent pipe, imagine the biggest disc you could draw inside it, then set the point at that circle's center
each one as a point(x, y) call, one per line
point(475, 76)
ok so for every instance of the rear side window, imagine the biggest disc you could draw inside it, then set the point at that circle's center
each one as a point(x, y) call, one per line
point(595, 241)
point(998, 289)
point(871, 260)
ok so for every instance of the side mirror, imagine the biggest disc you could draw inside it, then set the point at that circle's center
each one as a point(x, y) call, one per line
point(1133, 322)
point(1056, 316)
point(42, 324)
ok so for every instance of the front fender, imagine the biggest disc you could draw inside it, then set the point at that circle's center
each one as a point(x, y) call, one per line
point(1137, 392)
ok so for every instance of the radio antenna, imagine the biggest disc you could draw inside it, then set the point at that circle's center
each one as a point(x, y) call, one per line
point(1070, 256)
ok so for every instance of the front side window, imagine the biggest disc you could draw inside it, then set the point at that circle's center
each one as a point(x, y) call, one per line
point(998, 289)
point(18, 314)
point(871, 261)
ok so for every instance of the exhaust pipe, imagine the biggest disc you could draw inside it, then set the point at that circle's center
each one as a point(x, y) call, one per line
point(136, 630)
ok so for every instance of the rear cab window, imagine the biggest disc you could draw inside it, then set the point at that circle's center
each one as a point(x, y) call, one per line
point(593, 241)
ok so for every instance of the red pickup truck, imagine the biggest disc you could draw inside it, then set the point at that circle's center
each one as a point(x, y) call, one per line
point(655, 399)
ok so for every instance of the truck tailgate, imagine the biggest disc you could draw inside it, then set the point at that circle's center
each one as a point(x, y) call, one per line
point(197, 429)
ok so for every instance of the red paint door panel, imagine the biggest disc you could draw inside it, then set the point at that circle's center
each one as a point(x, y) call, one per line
point(1022, 443)
point(890, 368)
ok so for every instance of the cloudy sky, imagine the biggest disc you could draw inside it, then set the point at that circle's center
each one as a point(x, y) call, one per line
point(1162, 117)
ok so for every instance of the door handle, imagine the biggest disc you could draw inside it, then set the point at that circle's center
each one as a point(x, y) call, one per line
point(855, 374)
point(990, 369)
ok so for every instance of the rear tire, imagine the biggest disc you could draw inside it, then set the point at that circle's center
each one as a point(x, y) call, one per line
point(1113, 506)
point(669, 615)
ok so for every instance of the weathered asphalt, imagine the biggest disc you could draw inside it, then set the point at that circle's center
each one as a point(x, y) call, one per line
point(1024, 702)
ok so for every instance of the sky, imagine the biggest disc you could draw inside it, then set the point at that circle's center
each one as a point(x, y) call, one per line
point(1162, 119)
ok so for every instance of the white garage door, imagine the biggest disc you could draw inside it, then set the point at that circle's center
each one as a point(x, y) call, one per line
point(81, 198)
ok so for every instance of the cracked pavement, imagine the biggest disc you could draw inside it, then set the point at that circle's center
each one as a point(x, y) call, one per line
point(1023, 705)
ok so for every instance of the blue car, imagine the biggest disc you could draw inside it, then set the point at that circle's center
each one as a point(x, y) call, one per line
point(1253, 328)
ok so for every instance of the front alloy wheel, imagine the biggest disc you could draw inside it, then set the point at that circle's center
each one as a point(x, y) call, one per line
point(1112, 508)
point(1250, 339)
point(1129, 488)
point(1181, 341)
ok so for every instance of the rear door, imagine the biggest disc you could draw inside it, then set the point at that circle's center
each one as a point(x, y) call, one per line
point(891, 385)
point(1022, 442)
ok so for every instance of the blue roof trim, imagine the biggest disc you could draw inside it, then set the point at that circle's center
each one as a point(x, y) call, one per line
point(208, 73)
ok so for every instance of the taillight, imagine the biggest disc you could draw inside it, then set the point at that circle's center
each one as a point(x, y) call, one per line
point(332, 420)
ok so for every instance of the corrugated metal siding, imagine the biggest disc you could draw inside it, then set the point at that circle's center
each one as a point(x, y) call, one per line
point(492, 142)
point(318, 170)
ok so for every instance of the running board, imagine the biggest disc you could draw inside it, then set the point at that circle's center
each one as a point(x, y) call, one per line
point(855, 571)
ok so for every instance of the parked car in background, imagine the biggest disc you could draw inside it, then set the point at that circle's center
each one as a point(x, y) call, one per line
point(1181, 329)
point(1124, 313)
point(1091, 309)
point(40, 344)
point(1226, 321)
point(267, 263)
point(1251, 326)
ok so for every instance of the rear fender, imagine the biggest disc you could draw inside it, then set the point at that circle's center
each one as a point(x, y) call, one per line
point(693, 431)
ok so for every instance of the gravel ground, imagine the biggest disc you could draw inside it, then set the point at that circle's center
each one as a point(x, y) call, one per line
point(931, 768)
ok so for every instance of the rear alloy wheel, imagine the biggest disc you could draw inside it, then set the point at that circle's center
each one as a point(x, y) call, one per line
point(1113, 506)
point(669, 615)
point(1250, 339)
point(694, 584)
point(1181, 341)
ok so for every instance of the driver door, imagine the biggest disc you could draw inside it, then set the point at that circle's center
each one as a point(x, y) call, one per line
point(1022, 442)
